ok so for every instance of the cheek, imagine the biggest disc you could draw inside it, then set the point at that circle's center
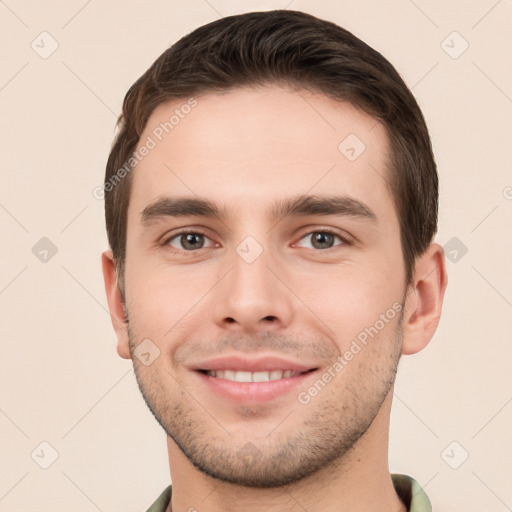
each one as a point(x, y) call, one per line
point(162, 297)
point(350, 300)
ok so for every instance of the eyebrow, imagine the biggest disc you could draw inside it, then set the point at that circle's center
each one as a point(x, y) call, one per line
point(299, 206)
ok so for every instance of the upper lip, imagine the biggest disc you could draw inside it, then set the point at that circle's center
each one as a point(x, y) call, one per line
point(252, 364)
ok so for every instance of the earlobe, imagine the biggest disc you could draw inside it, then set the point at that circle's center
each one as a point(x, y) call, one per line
point(424, 300)
point(115, 304)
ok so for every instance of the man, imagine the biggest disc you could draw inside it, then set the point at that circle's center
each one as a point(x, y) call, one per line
point(271, 201)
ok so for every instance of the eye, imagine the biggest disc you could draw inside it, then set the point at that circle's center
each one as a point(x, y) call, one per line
point(324, 239)
point(187, 241)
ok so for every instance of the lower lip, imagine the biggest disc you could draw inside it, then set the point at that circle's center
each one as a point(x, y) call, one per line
point(249, 393)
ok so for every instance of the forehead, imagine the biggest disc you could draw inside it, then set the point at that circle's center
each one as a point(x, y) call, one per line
point(249, 147)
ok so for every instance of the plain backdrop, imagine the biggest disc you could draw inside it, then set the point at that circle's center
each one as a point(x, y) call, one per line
point(69, 402)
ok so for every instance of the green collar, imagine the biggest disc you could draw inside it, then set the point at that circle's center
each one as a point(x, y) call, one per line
point(408, 489)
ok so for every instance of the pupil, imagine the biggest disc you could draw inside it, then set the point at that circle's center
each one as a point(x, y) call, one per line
point(189, 240)
point(322, 238)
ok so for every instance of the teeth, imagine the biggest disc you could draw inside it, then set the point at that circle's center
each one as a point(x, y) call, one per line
point(243, 376)
point(261, 376)
point(228, 374)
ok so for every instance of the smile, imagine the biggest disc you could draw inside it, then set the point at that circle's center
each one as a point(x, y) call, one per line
point(245, 376)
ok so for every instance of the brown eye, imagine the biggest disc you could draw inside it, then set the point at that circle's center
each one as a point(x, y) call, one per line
point(188, 241)
point(323, 239)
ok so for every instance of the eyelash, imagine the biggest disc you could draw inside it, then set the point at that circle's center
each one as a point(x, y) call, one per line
point(344, 240)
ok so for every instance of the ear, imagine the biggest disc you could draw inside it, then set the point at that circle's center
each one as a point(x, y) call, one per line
point(115, 304)
point(424, 300)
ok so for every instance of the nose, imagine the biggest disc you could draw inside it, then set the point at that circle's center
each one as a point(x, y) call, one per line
point(253, 297)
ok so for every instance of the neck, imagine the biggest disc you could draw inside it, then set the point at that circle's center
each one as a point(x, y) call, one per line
point(360, 481)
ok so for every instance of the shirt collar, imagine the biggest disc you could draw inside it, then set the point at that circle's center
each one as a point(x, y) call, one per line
point(408, 489)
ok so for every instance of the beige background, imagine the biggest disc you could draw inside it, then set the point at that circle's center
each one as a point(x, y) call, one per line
point(61, 380)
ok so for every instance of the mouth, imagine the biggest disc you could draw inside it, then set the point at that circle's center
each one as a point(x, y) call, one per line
point(247, 376)
point(241, 380)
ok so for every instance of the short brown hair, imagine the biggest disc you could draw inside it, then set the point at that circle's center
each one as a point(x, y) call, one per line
point(288, 48)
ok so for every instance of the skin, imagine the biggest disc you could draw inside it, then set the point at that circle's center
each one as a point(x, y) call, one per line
point(300, 300)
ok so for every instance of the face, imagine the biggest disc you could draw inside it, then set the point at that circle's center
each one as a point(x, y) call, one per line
point(265, 279)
